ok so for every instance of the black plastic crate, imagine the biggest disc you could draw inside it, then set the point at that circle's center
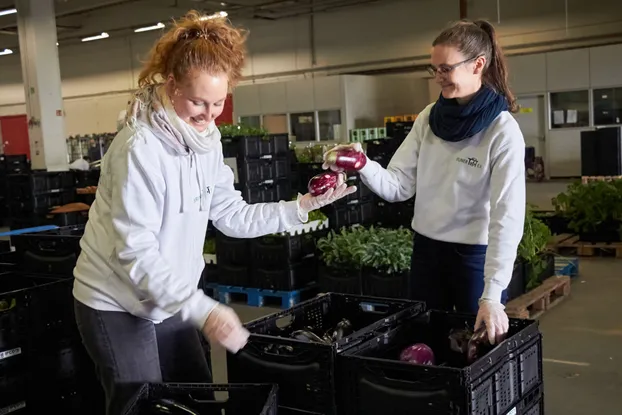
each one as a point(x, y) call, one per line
point(399, 130)
point(377, 382)
point(233, 251)
point(339, 281)
point(259, 171)
point(304, 371)
point(27, 185)
point(256, 147)
point(389, 286)
point(36, 309)
point(269, 191)
point(394, 215)
point(288, 277)
point(350, 214)
point(234, 275)
point(42, 203)
point(50, 252)
point(278, 250)
point(206, 399)
point(14, 164)
point(517, 285)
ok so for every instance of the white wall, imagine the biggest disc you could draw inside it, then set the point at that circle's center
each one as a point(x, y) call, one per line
point(99, 74)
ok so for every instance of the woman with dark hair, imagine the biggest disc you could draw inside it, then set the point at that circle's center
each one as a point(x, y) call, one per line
point(137, 303)
point(464, 159)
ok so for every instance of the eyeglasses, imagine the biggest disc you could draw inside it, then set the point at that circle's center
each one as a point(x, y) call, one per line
point(445, 69)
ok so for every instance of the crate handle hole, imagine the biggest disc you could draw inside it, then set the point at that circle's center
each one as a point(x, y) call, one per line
point(374, 308)
point(284, 322)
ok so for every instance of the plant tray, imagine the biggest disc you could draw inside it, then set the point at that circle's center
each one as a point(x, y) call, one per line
point(572, 244)
point(536, 302)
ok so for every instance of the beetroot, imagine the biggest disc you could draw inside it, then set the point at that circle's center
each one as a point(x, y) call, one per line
point(347, 159)
point(419, 354)
point(320, 184)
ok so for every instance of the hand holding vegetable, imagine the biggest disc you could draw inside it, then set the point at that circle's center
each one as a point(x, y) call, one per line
point(348, 157)
point(492, 315)
point(225, 328)
point(309, 203)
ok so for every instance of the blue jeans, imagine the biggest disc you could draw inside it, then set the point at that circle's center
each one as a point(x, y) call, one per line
point(448, 276)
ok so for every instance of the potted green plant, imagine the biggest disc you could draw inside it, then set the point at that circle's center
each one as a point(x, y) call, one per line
point(538, 262)
point(340, 256)
point(386, 262)
point(593, 209)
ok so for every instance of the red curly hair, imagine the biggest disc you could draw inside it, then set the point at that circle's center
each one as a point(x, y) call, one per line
point(212, 45)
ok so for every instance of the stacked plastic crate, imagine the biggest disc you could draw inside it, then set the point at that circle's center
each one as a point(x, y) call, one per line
point(33, 194)
point(261, 168)
point(9, 165)
point(42, 361)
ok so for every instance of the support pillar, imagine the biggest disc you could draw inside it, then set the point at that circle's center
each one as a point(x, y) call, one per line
point(36, 24)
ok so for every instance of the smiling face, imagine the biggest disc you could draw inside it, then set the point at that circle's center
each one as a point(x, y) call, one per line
point(200, 98)
point(458, 77)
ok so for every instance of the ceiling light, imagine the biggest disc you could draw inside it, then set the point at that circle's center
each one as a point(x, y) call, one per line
point(6, 52)
point(223, 4)
point(215, 15)
point(7, 11)
point(147, 28)
point(104, 35)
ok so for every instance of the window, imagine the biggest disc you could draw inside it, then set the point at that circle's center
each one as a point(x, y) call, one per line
point(303, 126)
point(607, 106)
point(330, 125)
point(251, 120)
point(570, 109)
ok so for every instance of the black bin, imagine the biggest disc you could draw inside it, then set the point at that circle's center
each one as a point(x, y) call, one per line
point(207, 399)
point(508, 376)
point(50, 252)
point(305, 371)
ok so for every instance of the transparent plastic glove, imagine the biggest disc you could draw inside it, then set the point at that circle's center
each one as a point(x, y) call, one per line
point(225, 328)
point(354, 146)
point(492, 315)
point(308, 203)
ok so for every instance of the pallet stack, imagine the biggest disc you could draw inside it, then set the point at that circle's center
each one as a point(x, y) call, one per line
point(9, 165)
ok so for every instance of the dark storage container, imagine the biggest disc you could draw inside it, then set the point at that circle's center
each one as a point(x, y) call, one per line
point(350, 214)
point(376, 381)
point(305, 371)
point(255, 147)
point(49, 252)
point(386, 285)
point(254, 172)
point(232, 251)
point(339, 281)
point(269, 191)
point(207, 399)
point(517, 285)
point(40, 204)
point(288, 277)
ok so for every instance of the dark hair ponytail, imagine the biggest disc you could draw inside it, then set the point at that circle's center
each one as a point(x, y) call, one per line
point(480, 38)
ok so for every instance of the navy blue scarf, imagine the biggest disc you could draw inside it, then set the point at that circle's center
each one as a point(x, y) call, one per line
point(453, 122)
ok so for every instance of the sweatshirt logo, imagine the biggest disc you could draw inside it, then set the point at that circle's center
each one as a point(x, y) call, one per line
point(203, 194)
point(471, 162)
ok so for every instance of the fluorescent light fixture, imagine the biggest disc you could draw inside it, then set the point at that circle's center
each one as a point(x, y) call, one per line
point(147, 28)
point(7, 11)
point(104, 35)
point(5, 52)
point(215, 15)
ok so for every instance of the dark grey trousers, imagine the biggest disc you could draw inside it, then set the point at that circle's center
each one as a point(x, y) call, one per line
point(128, 351)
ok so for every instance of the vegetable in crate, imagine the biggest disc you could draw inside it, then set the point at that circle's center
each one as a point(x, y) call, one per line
point(343, 329)
point(472, 345)
point(418, 354)
point(321, 183)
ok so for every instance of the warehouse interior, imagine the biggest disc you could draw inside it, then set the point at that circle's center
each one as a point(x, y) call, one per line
point(320, 73)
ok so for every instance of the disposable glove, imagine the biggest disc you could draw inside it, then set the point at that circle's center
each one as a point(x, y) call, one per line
point(354, 146)
point(225, 328)
point(309, 203)
point(492, 315)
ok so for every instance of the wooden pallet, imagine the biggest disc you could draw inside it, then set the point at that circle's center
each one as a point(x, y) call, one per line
point(536, 302)
point(587, 179)
point(567, 242)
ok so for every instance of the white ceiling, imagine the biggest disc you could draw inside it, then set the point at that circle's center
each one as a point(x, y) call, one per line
point(79, 18)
